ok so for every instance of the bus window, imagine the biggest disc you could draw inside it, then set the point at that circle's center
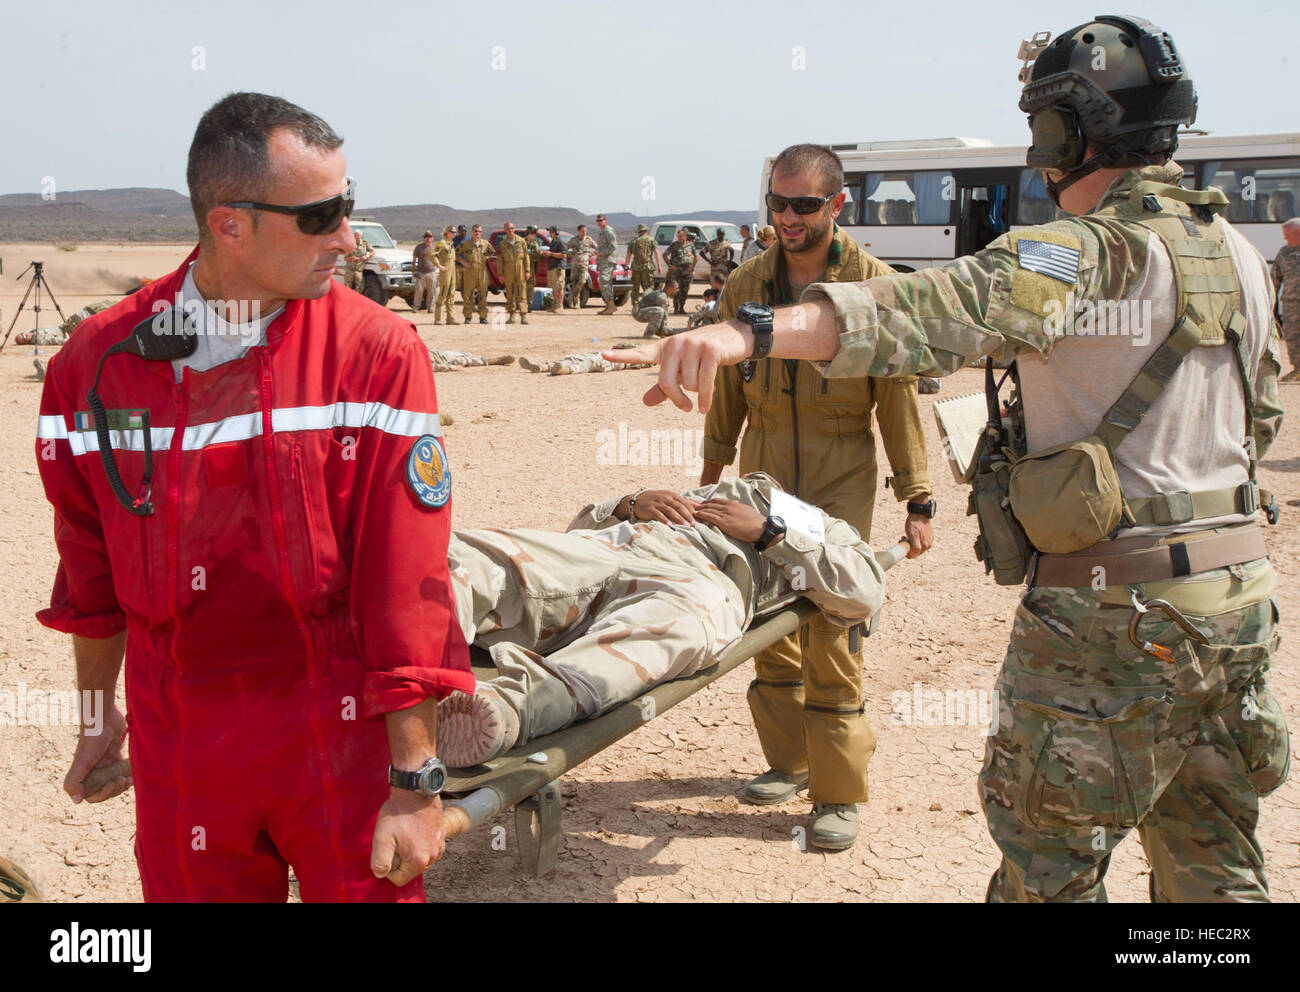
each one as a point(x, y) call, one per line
point(1035, 206)
point(848, 216)
point(907, 198)
point(1261, 191)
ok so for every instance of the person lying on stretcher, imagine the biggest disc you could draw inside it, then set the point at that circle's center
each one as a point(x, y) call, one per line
point(640, 590)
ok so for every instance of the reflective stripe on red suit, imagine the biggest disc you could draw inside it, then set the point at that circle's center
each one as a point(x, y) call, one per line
point(288, 591)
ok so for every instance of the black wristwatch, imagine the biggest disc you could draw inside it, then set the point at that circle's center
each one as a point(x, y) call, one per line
point(759, 317)
point(428, 780)
point(772, 529)
point(923, 509)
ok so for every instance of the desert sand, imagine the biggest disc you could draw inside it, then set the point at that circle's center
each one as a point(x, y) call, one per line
point(655, 817)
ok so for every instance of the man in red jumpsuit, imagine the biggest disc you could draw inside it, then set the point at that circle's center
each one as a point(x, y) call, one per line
point(285, 613)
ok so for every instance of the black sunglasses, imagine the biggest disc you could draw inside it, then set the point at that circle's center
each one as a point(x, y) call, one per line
point(803, 205)
point(321, 217)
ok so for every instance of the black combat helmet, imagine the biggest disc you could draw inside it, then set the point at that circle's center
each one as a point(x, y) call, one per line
point(1118, 82)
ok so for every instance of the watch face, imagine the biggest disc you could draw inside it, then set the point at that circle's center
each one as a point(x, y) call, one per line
point(777, 524)
point(754, 312)
point(432, 779)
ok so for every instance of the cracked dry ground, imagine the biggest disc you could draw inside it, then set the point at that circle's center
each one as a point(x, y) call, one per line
point(655, 817)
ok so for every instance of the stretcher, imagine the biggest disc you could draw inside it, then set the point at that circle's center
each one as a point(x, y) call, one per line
point(527, 778)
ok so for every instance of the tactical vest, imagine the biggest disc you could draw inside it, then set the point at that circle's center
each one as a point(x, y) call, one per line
point(1068, 498)
point(1209, 313)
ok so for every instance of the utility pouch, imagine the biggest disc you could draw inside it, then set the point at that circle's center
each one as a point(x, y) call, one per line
point(1001, 544)
point(1068, 497)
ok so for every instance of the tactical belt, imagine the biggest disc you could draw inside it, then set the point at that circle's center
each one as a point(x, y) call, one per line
point(1180, 507)
point(1129, 562)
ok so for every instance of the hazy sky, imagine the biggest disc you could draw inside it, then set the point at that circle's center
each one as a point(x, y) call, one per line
point(574, 104)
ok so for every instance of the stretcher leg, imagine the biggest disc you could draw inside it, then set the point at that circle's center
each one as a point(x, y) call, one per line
point(537, 830)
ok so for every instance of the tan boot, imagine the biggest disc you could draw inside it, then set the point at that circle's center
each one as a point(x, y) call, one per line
point(510, 319)
point(523, 318)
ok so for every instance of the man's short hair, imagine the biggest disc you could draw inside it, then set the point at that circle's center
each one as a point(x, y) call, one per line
point(710, 293)
point(744, 227)
point(229, 160)
point(582, 227)
point(1291, 225)
point(817, 159)
point(428, 234)
point(554, 229)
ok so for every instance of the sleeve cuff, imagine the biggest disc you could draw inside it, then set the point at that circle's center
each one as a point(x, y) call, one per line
point(717, 452)
point(855, 320)
point(401, 688)
point(96, 626)
point(907, 486)
point(595, 516)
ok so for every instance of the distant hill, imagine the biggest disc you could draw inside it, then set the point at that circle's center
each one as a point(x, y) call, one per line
point(144, 214)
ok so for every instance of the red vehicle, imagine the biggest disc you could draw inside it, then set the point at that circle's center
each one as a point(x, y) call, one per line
point(622, 275)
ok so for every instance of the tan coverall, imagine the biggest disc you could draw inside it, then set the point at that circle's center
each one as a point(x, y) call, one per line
point(475, 255)
point(512, 264)
point(813, 435)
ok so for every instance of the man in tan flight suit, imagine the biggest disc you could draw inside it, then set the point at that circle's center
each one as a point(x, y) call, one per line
point(474, 254)
point(813, 435)
point(512, 263)
point(444, 257)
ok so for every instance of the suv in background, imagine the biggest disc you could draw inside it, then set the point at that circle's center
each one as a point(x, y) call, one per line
point(388, 272)
point(701, 232)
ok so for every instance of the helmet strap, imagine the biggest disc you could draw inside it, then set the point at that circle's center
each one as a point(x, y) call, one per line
point(1104, 158)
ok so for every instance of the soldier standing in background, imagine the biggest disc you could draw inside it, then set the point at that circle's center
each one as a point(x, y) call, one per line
point(643, 259)
point(745, 241)
point(652, 310)
point(580, 251)
point(679, 258)
point(1286, 279)
point(512, 264)
point(423, 268)
point(356, 263)
point(606, 250)
point(474, 254)
point(718, 253)
point(534, 256)
point(555, 255)
point(444, 256)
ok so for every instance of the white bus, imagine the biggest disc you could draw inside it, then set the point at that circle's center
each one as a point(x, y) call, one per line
point(915, 204)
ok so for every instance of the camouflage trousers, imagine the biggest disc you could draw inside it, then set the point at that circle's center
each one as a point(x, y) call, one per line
point(605, 271)
point(683, 277)
point(578, 623)
point(446, 299)
point(643, 280)
point(51, 335)
point(579, 279)
point(449, 361)
point(1290, 329)
point(425, 288)
point(355, 279)
point(655, 319)
point(1096, 737)
point(555, 283)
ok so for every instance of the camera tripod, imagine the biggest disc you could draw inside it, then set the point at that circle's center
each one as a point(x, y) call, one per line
point(38, 283)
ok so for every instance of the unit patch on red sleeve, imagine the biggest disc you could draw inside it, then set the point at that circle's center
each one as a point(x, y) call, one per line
point(427, 472)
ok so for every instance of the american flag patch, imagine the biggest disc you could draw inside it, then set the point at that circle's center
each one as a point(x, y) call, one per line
point(1056, 261)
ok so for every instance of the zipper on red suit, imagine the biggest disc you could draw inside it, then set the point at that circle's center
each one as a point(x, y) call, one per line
point(173, 524)
point(286, 579)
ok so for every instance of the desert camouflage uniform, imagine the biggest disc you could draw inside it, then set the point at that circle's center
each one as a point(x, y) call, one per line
point(512, 264)
point(355, 261)
point(576, 364)
point(643, 266)
point(1096, 737)
point(534, 257)
point(578, 623)
point(444, 254)
point(606, 250)
point(653, 312)
point(52, 335)
point(719, 254)
point(474, 273)
point(680, 261)
point(1286, 279)
point(580, 250)
point(450, 361)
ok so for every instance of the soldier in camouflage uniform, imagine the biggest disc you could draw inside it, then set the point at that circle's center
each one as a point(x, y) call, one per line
point(1100, 733)
point(452, 361)
point(580, 251)
point(679, 257)
point(58, 334)
point(719, 253)
point(653, 309)
point(534, 257)
point(576, 364)
point(512, 264)
point(444, 257)
point(355, 263)
point(643, 260)
point(642, 589)
point(473, 254)
point(1286, 279)
point(606, 250)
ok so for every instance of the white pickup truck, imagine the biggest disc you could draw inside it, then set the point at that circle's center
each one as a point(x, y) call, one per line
point(388, 272)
